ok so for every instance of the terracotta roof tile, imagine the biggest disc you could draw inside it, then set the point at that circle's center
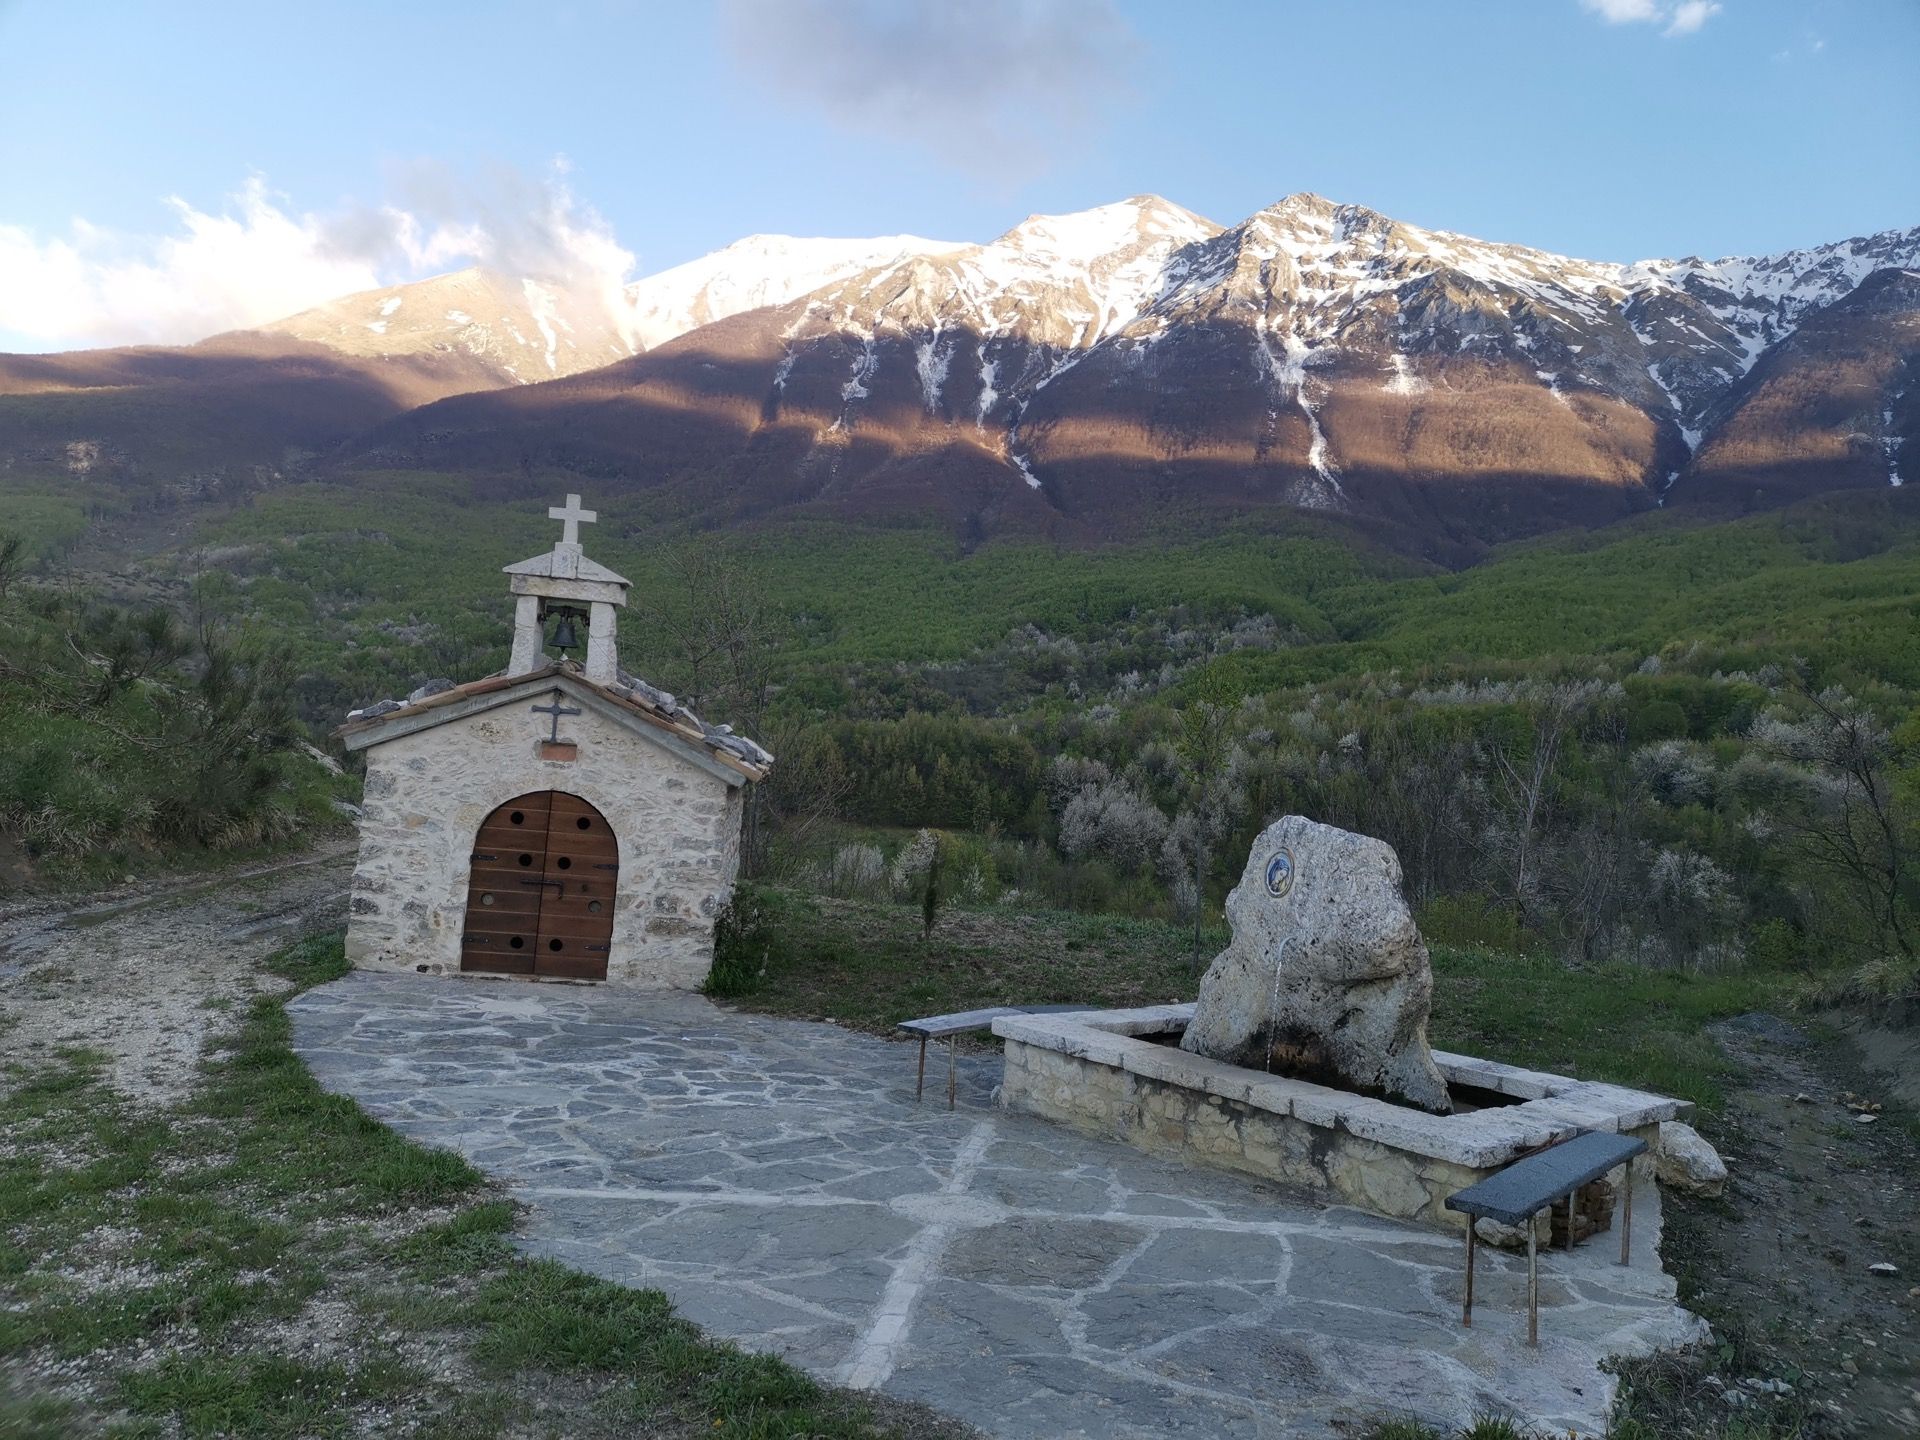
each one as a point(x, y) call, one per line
point(655, 707)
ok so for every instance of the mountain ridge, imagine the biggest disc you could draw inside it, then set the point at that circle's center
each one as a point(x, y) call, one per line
point(1115, 361)
point(1088, 374)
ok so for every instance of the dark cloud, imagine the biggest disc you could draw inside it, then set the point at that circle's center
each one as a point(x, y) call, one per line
point(995, 86)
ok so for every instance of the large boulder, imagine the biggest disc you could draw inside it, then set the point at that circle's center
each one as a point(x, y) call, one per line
point(1687, 1162)
point(1326, 977)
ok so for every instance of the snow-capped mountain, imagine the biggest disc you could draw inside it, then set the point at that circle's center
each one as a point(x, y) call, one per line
point(758, 271)
point(522, 329)
point(1835, 404)
point(1330, 294)
point(1084, 373)
point(1069, 281)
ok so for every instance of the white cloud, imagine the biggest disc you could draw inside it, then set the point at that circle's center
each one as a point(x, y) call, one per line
point(258, 259)
point(1623, 12)
point(1682, 18)
point(993, 86)
point(213, 272)
point(1690, 15)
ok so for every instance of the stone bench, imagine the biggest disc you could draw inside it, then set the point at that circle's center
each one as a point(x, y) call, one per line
point(1523, 1189)
point(953, 1026)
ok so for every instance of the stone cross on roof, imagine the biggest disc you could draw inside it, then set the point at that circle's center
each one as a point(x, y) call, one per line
point(571, 515)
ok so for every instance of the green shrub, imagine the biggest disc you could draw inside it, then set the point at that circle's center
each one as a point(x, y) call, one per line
point(1660, 720)
point(746, 941)
point(1776, 945)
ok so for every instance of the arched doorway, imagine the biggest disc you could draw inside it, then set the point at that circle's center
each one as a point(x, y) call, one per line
point(540, 891)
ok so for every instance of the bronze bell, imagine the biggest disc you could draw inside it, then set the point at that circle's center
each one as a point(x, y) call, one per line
point(564, 638)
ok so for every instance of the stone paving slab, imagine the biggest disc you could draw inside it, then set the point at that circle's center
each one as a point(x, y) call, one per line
point(777, 1180)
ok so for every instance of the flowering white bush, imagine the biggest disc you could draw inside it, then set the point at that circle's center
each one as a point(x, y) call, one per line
point(857, 872)
point(1113, 821)
point(910, 866)
point(1068, 775)
point(1693, 909)
point(1675, 772)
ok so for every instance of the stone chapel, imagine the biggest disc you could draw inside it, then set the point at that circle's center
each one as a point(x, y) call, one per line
point(559, 820)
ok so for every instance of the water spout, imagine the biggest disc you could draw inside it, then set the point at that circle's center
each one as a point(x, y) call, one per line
point(1273, 1008)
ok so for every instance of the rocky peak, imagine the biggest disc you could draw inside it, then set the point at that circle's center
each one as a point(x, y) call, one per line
point(1086, 236)
point(521, 328)
point(1063, 281)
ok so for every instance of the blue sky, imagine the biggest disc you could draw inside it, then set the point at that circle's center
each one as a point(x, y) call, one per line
point(1614, 129)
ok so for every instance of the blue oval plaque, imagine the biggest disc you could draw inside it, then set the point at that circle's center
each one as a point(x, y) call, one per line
point(1280, 873)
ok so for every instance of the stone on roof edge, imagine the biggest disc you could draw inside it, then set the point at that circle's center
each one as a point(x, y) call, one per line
point(486, 685)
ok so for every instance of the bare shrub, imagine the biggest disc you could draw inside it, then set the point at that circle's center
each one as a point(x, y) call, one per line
point(1848, 822)
point(856, 872)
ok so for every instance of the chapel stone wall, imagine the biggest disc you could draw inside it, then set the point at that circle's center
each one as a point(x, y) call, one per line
point(677, 825)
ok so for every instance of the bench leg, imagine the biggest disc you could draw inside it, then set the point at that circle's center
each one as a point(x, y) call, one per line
point(953, 1051)
point(1626, 1216)
point(1466, 1310)
point(920, 1085)
point(1533, 1287)
point(1570, 1195)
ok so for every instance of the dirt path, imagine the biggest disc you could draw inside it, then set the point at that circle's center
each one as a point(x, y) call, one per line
point(144, 974)
point(1781, 1264)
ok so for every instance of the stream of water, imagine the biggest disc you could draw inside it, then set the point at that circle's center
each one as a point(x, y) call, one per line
point(1279, 963)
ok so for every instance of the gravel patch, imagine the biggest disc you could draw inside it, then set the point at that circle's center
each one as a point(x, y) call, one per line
point(145, 976)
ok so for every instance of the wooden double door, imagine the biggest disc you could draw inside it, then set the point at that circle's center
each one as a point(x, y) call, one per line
point(540, 893)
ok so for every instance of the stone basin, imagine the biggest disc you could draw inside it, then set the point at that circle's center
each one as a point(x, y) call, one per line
point(1107, 1072)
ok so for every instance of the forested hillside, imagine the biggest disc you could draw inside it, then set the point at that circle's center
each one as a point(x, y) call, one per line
point(1682, 742)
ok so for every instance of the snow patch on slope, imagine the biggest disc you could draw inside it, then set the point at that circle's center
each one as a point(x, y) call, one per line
point(1403, 381)
point(1890, 440)
point(1287, 370)
point(543, 305)
point(931, 360)
point(988, 370)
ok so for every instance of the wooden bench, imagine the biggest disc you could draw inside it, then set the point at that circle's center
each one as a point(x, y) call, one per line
point(1521, 1191)
point(955, 1025)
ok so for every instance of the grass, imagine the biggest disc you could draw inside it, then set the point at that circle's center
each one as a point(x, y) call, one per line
point(1489, 1428)
point(267, 1260)
point(865, 965)
point(1624, 1023)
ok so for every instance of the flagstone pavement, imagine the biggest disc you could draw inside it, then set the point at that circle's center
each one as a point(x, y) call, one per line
point(778, 1181)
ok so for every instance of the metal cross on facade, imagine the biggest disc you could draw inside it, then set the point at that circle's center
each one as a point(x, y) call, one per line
point(571, 515)
point(556, 709)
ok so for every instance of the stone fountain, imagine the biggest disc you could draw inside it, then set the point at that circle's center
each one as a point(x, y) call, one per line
point(1305, 1059)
